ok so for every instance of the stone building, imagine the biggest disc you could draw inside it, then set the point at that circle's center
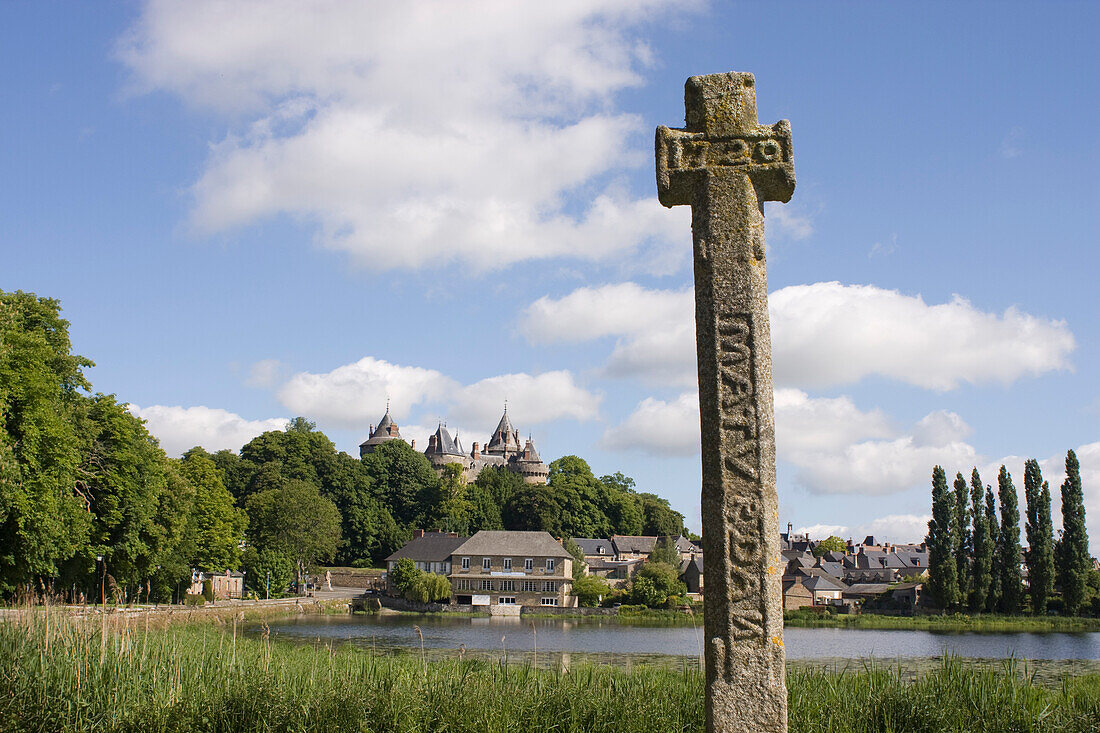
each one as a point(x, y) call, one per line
point(502, 451)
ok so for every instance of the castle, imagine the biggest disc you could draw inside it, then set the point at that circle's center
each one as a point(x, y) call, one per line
point(502, 451)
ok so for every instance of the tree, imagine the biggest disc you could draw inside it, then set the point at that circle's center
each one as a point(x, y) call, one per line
point(580, 567)
point(176, 522)
point(655, 584)
point(1040, 538)
point(44, 516)
point(1008, 545)
point(830, 544)
point(579, 495)
point(534, 508)
point(993, 600)
point(659, 518)
point(296, 521)
point(403, 574)
point(962, 540)
point(590, 590)
point(267, 573)
point(429, 588)
point(402, 478)
point(450, 510)
point(219, 525)
point(982, 566)
point(1073, 549)
point(942, 570)
point(665, 551)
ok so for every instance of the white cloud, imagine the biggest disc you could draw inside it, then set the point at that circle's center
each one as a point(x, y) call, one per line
point(459, 131)
point(534, 398)
point(787, 222)
point(823, 531)
point(894, 528)
point(834, 447)
point(352, 394)
point(181, 428)
point(825, 334)
point(265, 373)
point(659, 428)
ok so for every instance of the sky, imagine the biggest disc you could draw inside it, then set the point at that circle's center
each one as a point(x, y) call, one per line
point(256, 210)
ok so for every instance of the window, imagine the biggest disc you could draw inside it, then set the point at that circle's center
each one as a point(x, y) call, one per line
point(507, 563)
point(464, 584)
point(508, 585)
point(528, 564)
point(549, 601)
point(507, 600)
point(550, 586)
point(465, 563)
point(486, 585)
point(530, 586)
point(549, 564)
point(485, 563)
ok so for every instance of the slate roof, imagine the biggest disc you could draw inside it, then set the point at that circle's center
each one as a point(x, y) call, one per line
point(592, 547)
point(444, 443)
point(432, 547)
point(385, 431)
point(633, 544)
point(822, 582)
point(866, 589)
point(503, 542)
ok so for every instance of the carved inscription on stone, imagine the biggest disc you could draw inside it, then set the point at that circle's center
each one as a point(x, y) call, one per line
point(746, 560)
point(737, 402)
point(687, 151)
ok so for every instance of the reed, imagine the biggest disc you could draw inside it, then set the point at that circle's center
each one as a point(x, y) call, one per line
point(118, 674)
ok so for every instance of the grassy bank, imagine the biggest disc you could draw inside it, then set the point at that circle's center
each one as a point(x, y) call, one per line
point(61, 674)
point(949, 622)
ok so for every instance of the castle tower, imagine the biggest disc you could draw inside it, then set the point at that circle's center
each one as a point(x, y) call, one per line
point(385, 432)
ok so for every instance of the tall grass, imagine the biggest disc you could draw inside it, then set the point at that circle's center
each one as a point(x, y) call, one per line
point(118, 674)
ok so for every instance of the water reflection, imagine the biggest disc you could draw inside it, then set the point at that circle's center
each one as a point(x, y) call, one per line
point(601, 636)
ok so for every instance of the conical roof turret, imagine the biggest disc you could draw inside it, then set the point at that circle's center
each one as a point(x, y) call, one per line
point(505, 439)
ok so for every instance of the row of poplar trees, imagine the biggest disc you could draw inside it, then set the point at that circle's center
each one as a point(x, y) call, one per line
point(974, 559)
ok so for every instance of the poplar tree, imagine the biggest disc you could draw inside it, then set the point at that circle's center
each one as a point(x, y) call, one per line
point(1072, 561)
point(1008, 545)
point(942, 572)
point(1040, 538)
point(962, 538)
point(993, 600)
point(982, 546)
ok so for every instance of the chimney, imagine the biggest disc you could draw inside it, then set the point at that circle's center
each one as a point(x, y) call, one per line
point(413, 446)
point(371, 431)
point(474, 453)
point(418, 533)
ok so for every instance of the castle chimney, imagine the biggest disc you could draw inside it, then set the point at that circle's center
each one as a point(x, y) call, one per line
point(474, 454)
point(413, 446)
point(371, 431)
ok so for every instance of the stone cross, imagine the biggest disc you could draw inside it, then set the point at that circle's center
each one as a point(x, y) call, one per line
point(725, 165)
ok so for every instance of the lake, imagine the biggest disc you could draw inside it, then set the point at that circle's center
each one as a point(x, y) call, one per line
point(596, 637)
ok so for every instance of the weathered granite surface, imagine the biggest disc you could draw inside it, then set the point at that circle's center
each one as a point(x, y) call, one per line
point(724, 164)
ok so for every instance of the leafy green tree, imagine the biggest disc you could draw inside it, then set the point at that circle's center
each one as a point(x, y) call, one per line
point(175, 520)
point(659, 518)
point(993, 600)
point(368, 530)
point(404, 574)
point(942, 571)
point(982, 567)
point(1008, 545)
point(267, 573)
point(830, 544)
point(402, 478)
point(535, 508)
point(623, 510)
point(484, 509)
point(1073, 563)
point(962, 539)
point(429, 588)
point(578, 492)
point(44, 516)
point(235, 472)
point(452, 511)
point(1040, 538)
point(664, 550)
point(619, 482)
point(296, 521)
point(500, 484)
point(219, 525)
point(580, 567)
point(655, 583)
point(590, 590)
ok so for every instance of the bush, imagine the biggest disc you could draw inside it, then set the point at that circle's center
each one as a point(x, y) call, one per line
point(429, 588)
point(194, 599)
point(267, 573)
point(590, 590)
point(403, 575)
point(654, 583)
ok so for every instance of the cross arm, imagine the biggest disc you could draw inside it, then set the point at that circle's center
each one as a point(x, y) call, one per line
point(765, 154)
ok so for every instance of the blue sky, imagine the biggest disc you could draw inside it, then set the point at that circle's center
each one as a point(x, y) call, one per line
point(261, 210)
